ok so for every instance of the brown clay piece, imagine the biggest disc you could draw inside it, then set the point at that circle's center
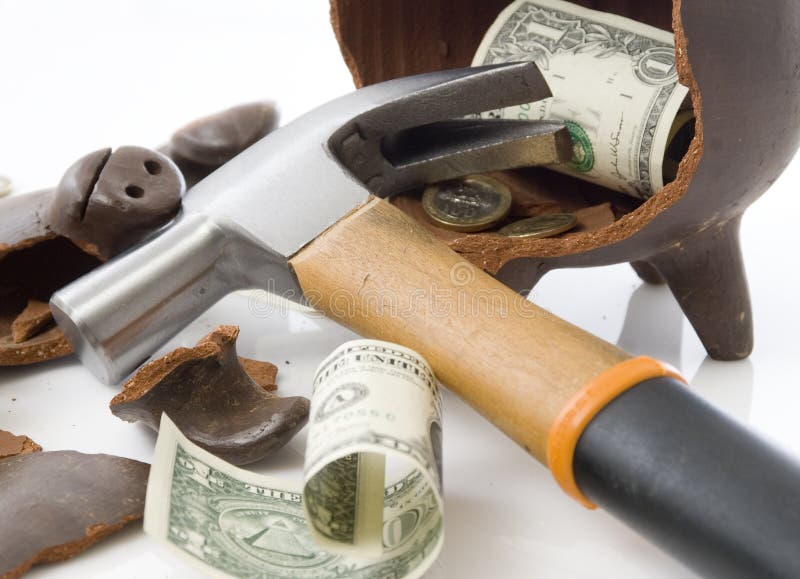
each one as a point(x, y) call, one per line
point(686, 236)
point(205, 144)
point(216, 139)
point(57, 504)
point(12, 445)
point(262, 373)
point(105, 203)
point(206, 391)
point(31, 321)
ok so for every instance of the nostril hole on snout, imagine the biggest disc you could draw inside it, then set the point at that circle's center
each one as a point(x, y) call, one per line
point(134, 191)
point(152, 167)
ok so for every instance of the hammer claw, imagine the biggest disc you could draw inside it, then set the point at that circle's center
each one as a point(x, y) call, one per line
point(438, 96)
point(450, 149)
point(410, 136)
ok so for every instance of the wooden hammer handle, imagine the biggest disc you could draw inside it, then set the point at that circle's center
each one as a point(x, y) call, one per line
point(385, 276)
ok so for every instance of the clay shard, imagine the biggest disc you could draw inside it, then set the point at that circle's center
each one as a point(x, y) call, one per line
point(107, 201)
point(263, 373)
point(57, 504)
point(206, 391)
point(12, 445)
point(33, 319)
point(216, 139)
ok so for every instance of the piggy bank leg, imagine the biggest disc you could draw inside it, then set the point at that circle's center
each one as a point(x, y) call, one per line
point(648, 273)
point(706, 274)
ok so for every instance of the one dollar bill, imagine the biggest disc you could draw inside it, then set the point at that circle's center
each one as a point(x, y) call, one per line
point(370, 506)
point(614, 83)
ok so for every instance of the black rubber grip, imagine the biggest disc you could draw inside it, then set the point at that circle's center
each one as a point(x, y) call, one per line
point(693, 481)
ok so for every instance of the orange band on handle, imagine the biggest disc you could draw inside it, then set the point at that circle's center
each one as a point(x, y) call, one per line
point(584, 406)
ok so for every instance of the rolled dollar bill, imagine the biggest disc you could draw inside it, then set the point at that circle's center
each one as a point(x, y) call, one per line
point(370, 505)
point(614, 83)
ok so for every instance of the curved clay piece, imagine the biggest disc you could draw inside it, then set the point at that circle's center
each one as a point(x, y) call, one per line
point(687, 233)
point(262, 373)
point(12, 445)
point(57, 504)
point(107, 201)
point(216, 139)
point(22, 222)
point(33, 319)
point(210, 397)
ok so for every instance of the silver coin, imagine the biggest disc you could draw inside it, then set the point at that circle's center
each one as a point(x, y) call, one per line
point(469, 204)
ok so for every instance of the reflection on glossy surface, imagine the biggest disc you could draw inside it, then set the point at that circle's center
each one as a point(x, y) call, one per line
point(653, 325)
point(727, 385)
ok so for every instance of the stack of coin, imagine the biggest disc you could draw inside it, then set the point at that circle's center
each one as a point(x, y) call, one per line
point(5, 186)
point(479, 203)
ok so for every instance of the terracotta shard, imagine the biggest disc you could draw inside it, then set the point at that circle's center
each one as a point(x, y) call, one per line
point(107, 201)
point(208, 394)
point(12, 445)
point(216, 139)
point(48, 345)
point(35, 317)
point(22, 224)
point(594, 218)
point(263, 373)
point(57, 504)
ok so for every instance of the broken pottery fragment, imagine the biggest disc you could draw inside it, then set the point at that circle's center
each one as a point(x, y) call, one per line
point(106, 202)
point(218, 138)
point(263, 373)
point(210, 397)
point(12, 445)
point(31, 321)
point(205, 144)
point(55, 505)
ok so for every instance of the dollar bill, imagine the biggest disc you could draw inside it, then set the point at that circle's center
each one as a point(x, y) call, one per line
point(614, 83)
point(370, 506)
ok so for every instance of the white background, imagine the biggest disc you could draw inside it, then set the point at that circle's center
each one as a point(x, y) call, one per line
point(79, 75)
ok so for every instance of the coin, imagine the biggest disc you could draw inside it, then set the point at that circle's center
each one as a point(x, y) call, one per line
point(5, 186)
point(541, 226)
point(470, 204)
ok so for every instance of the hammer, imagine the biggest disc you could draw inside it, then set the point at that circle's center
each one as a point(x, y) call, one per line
point(302, 213)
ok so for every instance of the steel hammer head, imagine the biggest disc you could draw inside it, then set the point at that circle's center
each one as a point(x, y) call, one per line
point(241, 224)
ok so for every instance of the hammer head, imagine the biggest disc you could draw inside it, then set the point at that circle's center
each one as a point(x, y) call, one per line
point(383, 139)
point(241, 224)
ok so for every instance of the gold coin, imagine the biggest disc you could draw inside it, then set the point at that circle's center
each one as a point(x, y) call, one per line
point(541, 226)
point(470, 204)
